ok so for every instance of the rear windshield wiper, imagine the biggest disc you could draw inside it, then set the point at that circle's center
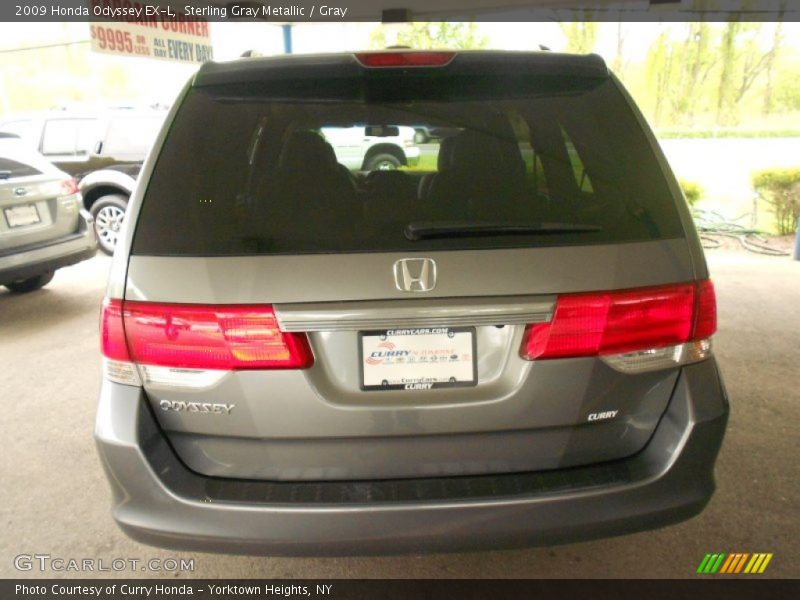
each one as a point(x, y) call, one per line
point(422, 230)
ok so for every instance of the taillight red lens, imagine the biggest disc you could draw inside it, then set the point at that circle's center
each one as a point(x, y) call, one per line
point(69, 187)
point(112, 331)
point(204, 337)
point(590, 324)
point(705, 323)
point(405, 59)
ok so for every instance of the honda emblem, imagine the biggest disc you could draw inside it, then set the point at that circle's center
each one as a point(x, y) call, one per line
point(415, 274)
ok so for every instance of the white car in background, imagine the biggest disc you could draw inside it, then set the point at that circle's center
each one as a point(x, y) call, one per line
point(373, 148)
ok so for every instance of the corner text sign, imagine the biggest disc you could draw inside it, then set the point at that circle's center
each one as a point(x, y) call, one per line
point(161, 34)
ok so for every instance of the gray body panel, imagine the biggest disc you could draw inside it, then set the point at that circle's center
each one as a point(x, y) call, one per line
point(465, 273)
point(157, 500)
point(318, 424)
point(308, 463)
point(58, 216)
point(51, 255)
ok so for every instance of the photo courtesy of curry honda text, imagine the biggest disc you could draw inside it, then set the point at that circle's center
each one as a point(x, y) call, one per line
point(503, 342)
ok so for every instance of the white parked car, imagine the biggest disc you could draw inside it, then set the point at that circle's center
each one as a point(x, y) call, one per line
point(373, 148)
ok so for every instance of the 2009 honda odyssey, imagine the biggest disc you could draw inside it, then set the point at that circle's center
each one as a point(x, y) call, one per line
point(508, 343)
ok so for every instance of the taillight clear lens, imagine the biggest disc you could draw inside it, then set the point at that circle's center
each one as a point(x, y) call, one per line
point(212, 337)
point(117, 365)
point(625, 321)
point(405, 59)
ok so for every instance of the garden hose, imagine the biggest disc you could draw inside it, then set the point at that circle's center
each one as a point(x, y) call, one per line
point(713, 226)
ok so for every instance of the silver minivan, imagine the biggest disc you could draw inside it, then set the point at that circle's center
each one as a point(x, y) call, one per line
point(506, 344)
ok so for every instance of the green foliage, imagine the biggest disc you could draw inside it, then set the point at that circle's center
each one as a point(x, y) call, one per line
point(427, 163)
point(692, 190)
point(789, 92)
point(714, 70)
point(581, 36)
point(781, 189)
point(677, 69)
point(426, 36)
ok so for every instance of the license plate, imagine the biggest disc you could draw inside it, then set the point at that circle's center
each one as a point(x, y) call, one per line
point(418, 359)
point(19, 216)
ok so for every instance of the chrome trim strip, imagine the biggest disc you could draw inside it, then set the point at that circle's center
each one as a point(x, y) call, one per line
point(434, 312)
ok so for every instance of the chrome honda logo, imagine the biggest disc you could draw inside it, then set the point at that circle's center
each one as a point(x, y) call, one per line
point(20, 191)
point(415, 274)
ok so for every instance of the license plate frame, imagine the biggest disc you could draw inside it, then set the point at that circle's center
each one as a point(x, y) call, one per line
point(30, 215)
point(426, 377)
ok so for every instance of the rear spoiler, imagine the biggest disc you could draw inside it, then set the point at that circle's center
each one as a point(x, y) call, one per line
point(276, 68)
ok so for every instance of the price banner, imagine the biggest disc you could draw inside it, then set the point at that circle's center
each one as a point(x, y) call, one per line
point(150, 31)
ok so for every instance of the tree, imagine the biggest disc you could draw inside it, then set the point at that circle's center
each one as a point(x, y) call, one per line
point(777, 40)
point(659, 69)
point(727, 53)
point(788, 91)
point(619, 65)
point(781, 189)
point(699, 60)
point(678, 65)
point(581, 36)
point(754, 62)
point(744, 59)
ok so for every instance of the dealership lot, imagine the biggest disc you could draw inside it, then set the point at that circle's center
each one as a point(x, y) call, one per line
point(55, 499)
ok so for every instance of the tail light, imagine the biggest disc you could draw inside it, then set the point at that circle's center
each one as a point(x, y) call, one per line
point(633, 330)
point(181, 344)
point(117, 365)
point(405, 59)
point(69, 187)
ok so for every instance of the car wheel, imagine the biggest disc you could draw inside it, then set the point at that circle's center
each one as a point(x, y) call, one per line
point(383, 162)
point(420, 137)
point(108, 212)
point(32, 283)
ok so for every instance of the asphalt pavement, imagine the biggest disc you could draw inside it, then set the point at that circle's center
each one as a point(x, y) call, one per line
point(54, 499)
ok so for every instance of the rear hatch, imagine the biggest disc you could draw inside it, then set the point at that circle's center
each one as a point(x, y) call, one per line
point(38, 203)
point(296, 320)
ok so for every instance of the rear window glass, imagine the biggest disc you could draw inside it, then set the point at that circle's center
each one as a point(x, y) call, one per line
point(10, 169)
point(248, 169)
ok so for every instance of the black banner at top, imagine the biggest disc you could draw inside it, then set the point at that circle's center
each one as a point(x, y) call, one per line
point(294, 11)
point(394, 589)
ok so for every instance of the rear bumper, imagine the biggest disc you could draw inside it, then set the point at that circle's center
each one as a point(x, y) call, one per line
point(159, 501)
point(52, 255)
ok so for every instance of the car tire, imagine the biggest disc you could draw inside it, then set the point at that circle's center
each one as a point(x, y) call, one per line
point(31, 284)
point(109, 213)
point(420, 137)
point(383, 162)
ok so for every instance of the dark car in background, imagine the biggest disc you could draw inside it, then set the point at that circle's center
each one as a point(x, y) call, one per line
point(43, 225)
point(102, 149)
